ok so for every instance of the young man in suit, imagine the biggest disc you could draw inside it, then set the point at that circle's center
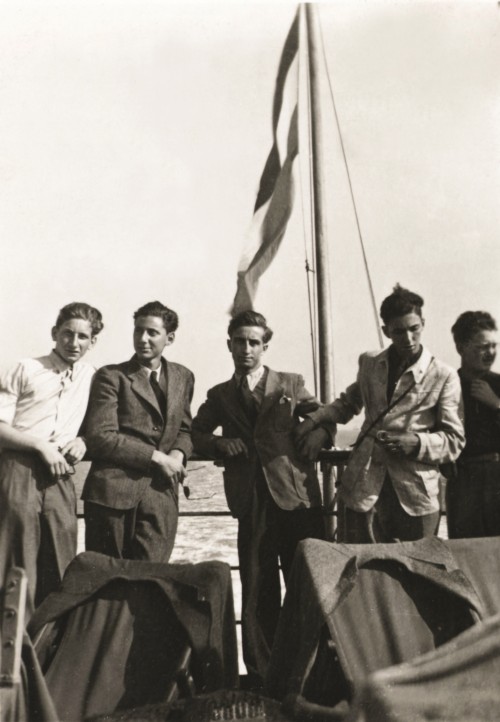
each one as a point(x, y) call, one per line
point(411, 402)
point(274, 494)
point(139, 438)
point(473, 491)
point(42, 405)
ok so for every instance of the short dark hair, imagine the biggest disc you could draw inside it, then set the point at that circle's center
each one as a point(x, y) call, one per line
point(471, 322)
point(83, 311)
point(250, 318)
point(400, 303)
point(155, 308)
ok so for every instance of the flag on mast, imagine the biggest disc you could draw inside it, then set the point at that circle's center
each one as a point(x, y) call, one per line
point(274, 203)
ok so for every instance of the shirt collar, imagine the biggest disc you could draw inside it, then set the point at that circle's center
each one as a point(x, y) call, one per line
point(253, 377)
point(420, 366)
point(58, 363)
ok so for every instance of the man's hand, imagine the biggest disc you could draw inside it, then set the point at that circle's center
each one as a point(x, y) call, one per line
point(54, 459)
point(231, 447)
point(405, 444)
point(310, 445)
point(302, 430)
point(74, 451)
point(482, 391)
point(170, 466)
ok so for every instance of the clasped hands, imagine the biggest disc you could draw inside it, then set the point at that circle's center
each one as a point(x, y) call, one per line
point(399, 444)
point(171, 466)
point(61, 460)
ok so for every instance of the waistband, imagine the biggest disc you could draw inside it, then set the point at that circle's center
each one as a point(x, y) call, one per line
point(479, 458)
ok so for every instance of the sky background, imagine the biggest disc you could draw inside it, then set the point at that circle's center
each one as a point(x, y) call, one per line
point(133, 136)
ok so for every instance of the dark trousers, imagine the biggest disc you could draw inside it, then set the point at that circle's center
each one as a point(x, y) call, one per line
point(387, 521)
point(38, 525)
point(473, 500)
point(145, 532)
point(267, 536)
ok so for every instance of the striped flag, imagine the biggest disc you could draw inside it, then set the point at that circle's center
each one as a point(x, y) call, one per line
point(273, 206)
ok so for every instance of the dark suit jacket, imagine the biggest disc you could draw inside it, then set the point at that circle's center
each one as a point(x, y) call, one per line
point(124, 426)
point(292, 481)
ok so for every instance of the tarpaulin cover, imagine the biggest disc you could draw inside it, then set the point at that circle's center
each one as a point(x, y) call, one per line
point(381, 604)
point(458, 682)
point(111, 637)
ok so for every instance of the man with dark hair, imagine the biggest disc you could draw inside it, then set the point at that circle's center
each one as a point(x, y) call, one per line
point(42, 406)
point(473, 491)
point(411, 402)
point(139, 438)
point(273, 493)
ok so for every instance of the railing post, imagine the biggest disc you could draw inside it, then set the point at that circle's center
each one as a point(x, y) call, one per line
point(329, 496)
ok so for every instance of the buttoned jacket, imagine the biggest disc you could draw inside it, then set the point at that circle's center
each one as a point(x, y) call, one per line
point(292, 481)
point(124, 425)
point(431, 409)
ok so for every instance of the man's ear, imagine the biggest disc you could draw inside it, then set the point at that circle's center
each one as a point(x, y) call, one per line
point(385, 332)
point(265, 346)
point(53, 333)
point(229, 345)
point(170, 338)
point(423, 322)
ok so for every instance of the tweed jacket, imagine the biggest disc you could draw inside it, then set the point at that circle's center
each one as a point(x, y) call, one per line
point(124, 426)
point(431, 409)
point(292, 482)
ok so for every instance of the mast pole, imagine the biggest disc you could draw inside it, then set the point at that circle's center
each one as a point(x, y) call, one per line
point(325, 326)
point(325, 337)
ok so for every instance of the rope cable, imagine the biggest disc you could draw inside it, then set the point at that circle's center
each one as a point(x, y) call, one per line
point(351, 191)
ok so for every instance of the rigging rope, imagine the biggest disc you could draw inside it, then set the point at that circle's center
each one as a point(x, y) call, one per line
point(365, 259)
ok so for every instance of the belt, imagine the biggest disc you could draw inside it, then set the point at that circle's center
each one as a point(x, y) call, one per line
point(479, 458)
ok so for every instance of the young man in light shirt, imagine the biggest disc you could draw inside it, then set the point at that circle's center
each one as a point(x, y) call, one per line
point(42, 406)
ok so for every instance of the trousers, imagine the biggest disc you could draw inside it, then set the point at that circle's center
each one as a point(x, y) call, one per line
point(38, 524)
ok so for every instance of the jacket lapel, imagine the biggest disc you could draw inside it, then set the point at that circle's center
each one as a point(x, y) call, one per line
point(140, 384)
point(380, 378)
point(174, 387)
point(230, 398)
point(274, 391)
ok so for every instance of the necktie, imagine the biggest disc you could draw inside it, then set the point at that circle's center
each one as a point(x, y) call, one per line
point(248, 398)
point(160, 396)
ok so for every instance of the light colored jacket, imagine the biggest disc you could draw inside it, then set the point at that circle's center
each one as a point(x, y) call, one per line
point(431, 409)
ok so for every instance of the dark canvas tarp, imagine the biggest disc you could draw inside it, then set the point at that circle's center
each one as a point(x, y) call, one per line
point(380, 604)
point(112, 636)
point(459, 682)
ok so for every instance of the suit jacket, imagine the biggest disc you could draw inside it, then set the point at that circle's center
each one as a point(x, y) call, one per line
point(124, 426)
point(293, 482)
point(431, 410)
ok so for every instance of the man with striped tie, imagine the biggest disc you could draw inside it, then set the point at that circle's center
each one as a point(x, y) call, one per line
point(138, 430)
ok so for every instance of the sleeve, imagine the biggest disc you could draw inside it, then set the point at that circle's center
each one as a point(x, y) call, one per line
point(183, 441)
point(308, 404)
point(205, 422)
point(105, 442)
point(446, 441)
point(11, 388)
point(341, 411)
